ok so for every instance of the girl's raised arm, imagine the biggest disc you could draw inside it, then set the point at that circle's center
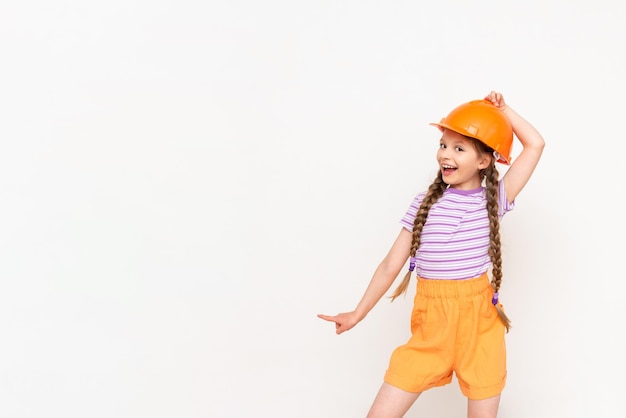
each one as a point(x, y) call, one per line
point(532, 142)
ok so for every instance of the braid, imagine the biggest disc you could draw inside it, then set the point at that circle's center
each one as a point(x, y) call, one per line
point(495, 250)
point(433, 194)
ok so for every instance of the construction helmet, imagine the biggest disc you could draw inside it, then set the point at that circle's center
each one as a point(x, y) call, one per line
point(482, 120)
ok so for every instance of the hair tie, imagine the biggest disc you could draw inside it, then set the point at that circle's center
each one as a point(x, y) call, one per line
point(412, 264)
point(494, 299)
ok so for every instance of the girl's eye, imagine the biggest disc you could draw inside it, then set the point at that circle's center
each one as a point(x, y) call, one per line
point(442, 146)
point(459, 149)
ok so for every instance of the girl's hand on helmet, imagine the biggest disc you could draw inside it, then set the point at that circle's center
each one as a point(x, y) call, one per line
point(343, 321)
point(497, 99)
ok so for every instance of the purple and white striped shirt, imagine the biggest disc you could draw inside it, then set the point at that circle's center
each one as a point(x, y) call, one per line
point(455, 239)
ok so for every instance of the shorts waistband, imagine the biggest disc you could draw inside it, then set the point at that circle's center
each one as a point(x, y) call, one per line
point(453, 288)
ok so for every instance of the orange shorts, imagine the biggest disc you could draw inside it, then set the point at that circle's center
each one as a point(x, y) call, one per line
point(454, 328)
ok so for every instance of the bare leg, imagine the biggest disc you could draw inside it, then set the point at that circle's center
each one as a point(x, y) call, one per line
point(484, 408)
point(391, 402)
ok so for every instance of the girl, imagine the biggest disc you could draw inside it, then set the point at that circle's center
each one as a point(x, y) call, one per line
point(451, 235)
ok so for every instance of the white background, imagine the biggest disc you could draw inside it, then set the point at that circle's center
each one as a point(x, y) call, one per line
point(184, 185)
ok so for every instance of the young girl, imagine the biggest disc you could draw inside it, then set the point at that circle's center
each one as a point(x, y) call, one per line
point(451, 235)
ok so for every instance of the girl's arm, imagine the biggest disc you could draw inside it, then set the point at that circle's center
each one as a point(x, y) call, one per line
point(523, 166)
point(381, 281)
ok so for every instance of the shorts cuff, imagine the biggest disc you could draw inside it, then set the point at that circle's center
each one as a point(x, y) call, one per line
point(477, 394)
point(404, 383)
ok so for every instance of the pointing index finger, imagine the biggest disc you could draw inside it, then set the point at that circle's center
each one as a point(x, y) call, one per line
point(327, 317)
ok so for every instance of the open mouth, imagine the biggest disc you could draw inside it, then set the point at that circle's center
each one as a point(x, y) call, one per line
point(446, 170)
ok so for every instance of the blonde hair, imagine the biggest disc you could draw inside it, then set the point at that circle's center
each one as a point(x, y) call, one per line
point(435, 191)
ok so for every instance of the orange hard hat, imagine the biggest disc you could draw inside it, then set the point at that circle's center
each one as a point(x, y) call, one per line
point(482, 120)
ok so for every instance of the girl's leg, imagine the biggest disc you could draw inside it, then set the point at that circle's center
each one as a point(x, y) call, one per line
point(484, 408)
point(391, 402)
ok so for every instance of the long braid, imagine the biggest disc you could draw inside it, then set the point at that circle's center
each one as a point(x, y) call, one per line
point(495, 253)
point(433, 194)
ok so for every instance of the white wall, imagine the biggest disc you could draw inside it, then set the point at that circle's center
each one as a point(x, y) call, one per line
point(186, 184)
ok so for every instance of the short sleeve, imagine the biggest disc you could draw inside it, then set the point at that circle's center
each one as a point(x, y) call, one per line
point(409, 217)
point(503, 202)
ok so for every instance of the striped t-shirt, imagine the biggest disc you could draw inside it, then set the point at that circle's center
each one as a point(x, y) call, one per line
point(455, 238)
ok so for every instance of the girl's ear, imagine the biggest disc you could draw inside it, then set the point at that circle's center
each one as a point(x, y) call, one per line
point(484, 161)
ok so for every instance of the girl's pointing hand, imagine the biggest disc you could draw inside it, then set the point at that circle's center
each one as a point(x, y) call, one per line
point(343, 321)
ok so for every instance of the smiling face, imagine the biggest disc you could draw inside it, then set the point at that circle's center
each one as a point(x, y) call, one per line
point(460, 161)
